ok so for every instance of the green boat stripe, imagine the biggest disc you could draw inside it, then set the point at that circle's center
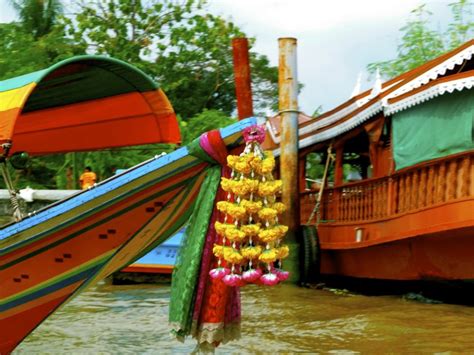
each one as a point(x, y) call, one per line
point(145, 83)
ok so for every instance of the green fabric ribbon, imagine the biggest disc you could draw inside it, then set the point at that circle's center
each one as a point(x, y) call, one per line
point(187, 268)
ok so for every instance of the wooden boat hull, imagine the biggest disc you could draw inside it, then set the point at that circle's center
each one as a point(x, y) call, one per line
point(438, 256)
point(51, 256)
point(386, 229)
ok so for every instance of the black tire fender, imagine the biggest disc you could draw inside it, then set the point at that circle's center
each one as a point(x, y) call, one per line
point(310, 255)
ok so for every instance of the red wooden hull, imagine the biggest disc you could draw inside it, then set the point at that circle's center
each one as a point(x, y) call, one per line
point(430, 243)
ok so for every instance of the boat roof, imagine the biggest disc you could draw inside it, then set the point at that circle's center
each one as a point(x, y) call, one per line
point(451, 71)
point(84, 103)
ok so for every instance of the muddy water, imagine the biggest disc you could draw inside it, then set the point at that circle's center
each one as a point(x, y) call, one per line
point(133, 319)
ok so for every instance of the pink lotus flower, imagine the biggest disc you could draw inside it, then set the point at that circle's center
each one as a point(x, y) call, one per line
point(270, 279)
point(233, 280)
point(282, 274)
point(251, 275)
point(219, 273)
point(254, 133)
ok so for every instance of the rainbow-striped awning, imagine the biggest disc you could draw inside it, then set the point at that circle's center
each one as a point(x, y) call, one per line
point(84, 103)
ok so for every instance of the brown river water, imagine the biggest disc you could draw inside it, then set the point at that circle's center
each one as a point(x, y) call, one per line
point(133, 320)
point(110, 319)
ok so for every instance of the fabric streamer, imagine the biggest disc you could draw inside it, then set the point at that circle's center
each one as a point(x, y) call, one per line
point(215, 260)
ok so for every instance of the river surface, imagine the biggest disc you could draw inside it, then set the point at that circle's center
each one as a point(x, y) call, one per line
point(133, 320)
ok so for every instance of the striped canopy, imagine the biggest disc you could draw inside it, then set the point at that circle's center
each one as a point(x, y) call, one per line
point(84, 103)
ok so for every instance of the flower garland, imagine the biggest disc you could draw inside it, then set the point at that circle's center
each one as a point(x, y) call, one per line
point(250, 249)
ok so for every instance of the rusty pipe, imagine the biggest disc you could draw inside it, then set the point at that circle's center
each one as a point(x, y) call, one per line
point(243, 88)
point(288, 105)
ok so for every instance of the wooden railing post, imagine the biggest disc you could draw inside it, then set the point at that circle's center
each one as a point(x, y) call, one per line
point(390, 197)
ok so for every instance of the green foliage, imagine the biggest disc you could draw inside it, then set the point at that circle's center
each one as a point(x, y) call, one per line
point(314, 166)
point(203, 122)
point(420, 43)
point(21, 52)
point(38, 17)
point(184, 48)
point(16, 43)
point(462, 27)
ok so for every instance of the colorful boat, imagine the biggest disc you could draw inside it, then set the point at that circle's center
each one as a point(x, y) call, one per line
point(410, 216)
point(87, 103)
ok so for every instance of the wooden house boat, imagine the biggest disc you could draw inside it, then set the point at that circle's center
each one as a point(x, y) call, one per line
point(88, 103)
point(409, 214)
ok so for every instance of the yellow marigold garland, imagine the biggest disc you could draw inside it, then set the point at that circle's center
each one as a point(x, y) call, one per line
point(249, 231)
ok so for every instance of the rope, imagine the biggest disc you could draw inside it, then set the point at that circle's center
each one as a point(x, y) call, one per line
point(17, 215)
point(316, 209)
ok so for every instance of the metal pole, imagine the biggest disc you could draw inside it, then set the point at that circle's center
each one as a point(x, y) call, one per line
point(243, 88)
point(288, 105)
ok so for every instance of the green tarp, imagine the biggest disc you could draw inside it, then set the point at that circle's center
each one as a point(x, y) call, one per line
point(434, 129)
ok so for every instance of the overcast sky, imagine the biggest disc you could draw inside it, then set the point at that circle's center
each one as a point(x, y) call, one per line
point(336, 38)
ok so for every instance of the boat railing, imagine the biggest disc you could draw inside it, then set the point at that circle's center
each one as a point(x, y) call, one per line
point(422, 186)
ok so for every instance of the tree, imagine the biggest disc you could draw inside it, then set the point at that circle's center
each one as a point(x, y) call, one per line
point(419, 45)
point(186, 49)
point(36, 41)
point(38, 17)
point(462, 27)
point(203, 122)
point(179, 44)
point(19, 53)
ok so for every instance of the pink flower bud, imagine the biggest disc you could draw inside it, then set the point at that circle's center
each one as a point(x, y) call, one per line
point(269, 279)
point(282, 274)
point(254, 133)
point(233, 280)
point(219, 272)
point(251, 275)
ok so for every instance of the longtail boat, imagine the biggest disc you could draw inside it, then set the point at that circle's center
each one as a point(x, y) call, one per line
point(88, 103)
point(409, 214)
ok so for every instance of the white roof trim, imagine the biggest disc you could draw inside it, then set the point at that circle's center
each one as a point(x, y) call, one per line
point(327, 120)
point(428, 94)
point(343, 127)
point(435, 72)
point(423, 79)
point(322, 123)
point(338, 130)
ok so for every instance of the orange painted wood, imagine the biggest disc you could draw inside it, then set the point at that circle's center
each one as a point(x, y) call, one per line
point(116, 121)
point(23, 323)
